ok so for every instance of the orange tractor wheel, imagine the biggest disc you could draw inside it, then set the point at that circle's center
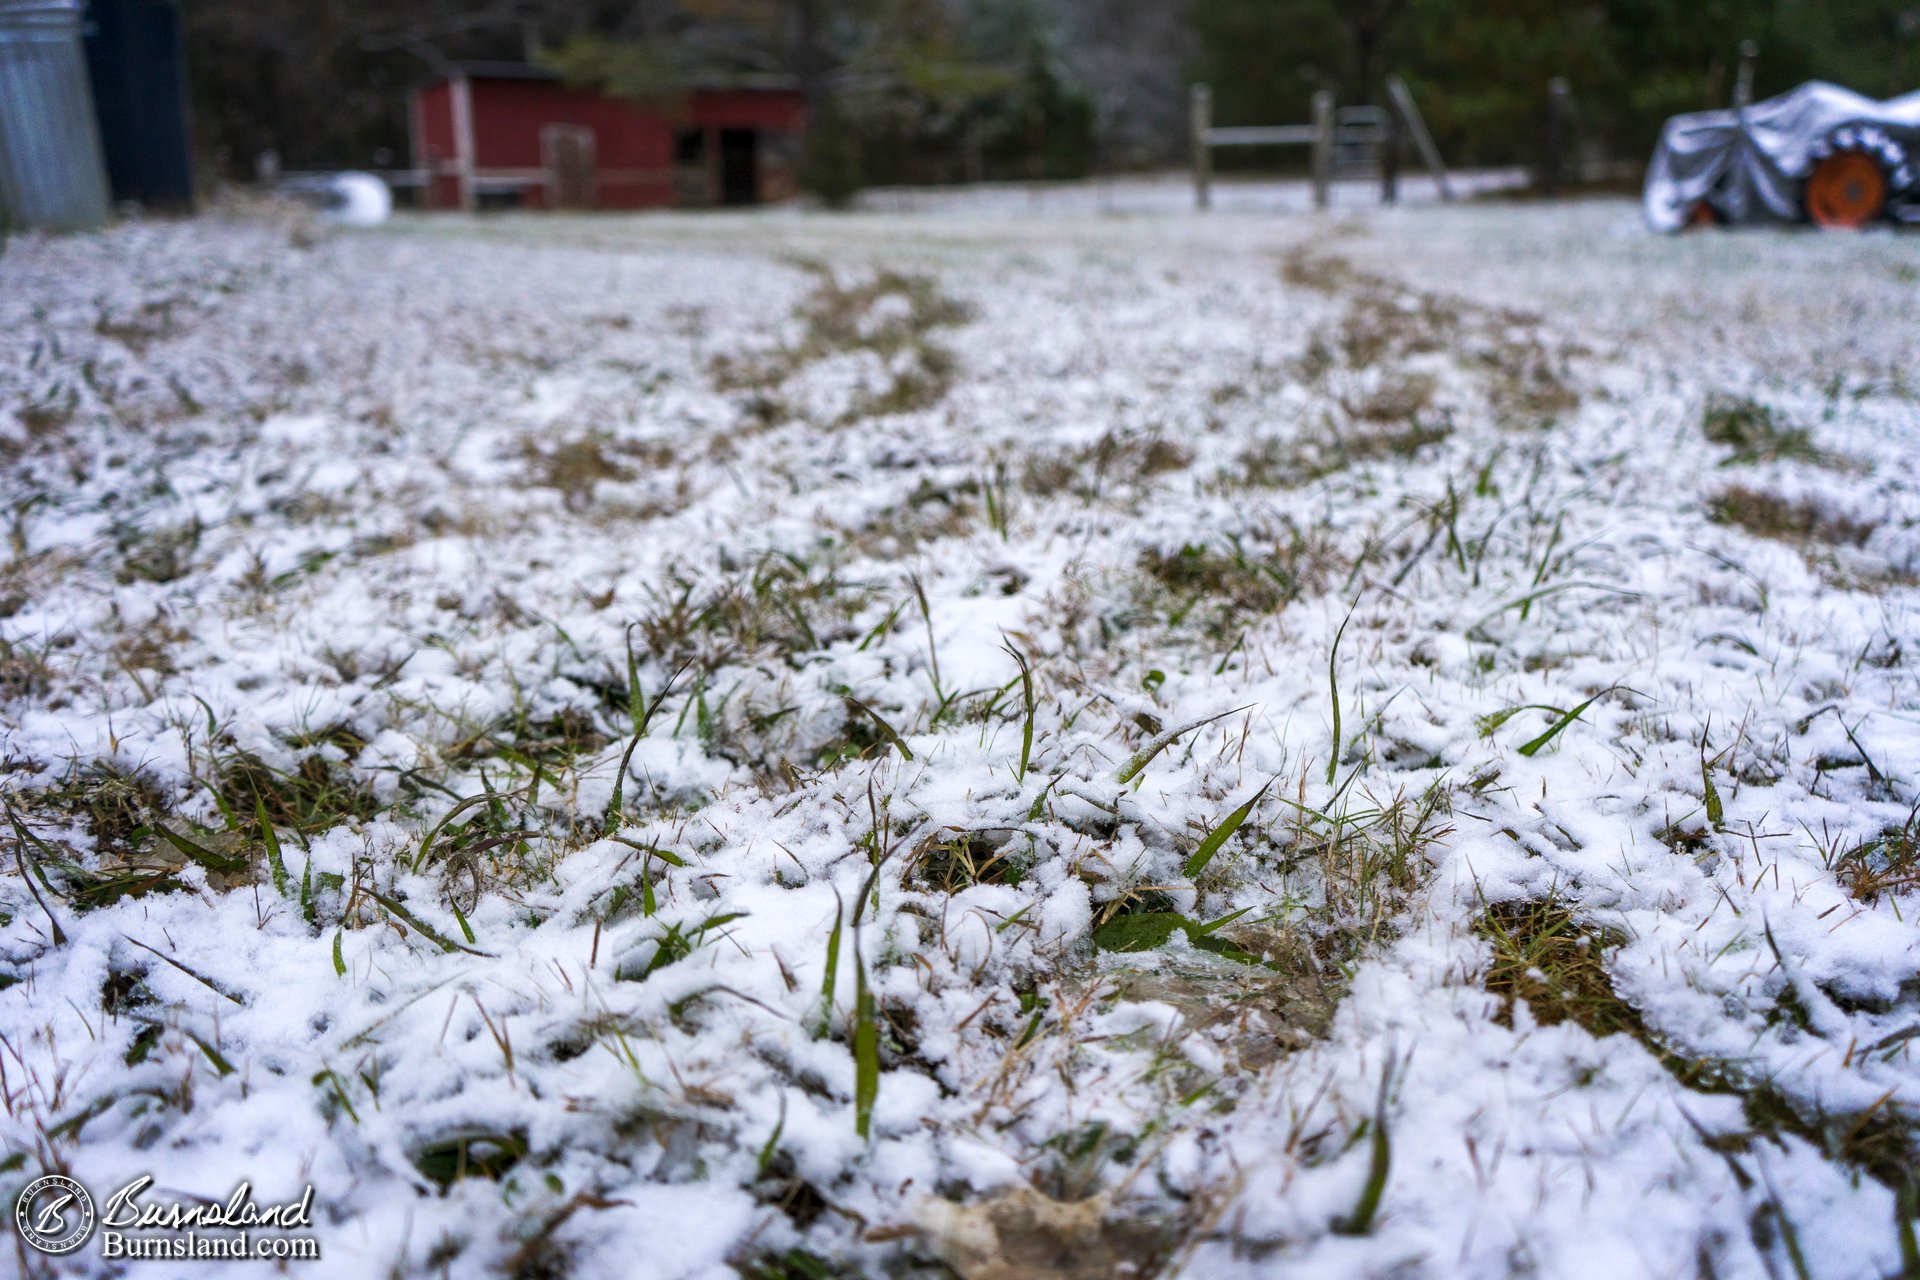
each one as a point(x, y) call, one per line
point(1702, 214)
point(1846, 191)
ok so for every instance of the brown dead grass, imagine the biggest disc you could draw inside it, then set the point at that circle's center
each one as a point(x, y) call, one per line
point(1768, 515)
point(1556, 964)
point(1887, 863)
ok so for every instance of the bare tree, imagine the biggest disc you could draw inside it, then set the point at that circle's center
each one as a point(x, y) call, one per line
point(1132, 56)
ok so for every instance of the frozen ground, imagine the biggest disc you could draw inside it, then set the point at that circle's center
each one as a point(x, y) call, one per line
point(1161, 193)
point(627, 747)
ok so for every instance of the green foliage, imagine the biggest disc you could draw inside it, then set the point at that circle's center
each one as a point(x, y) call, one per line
point(1030, 120)
point(1755, 432)
point(194, 851)
point(1380, 1162)
point(928, 92)
point(866, 1052)
point(1553, 730)
point(931, 91)
point(1220, 834)
point(1238, 41)
point(831, 168)
point(1480, 72)
point(1161, 741)
point(1151, 930)
point(825, 1021)
point(271, 839)
point(480, 1154)
point(643, 73)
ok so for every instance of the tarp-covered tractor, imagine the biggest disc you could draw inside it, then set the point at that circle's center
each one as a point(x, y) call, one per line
point(1819, 154)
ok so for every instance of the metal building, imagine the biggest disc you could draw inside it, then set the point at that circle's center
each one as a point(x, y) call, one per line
point(135, 51)
point(51, 176)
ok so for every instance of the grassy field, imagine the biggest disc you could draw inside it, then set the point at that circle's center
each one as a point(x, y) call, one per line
point(973, 741)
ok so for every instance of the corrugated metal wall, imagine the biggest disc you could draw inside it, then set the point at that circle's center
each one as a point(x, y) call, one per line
point(51, 175)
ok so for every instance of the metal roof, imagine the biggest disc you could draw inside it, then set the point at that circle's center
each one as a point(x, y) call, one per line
point(729, 80)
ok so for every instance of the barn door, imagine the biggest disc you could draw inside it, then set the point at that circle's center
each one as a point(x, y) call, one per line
point(739, 167)
point(573, 180)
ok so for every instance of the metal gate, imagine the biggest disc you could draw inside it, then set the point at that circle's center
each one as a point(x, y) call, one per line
point(51, 176)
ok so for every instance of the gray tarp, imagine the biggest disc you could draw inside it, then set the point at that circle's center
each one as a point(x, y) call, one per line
point(1749, 165)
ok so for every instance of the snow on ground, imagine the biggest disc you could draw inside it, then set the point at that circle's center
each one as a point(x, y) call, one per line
point(969, 742)
point(1160, 193)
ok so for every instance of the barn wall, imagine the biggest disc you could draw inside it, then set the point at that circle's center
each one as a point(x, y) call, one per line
point(433, 142)
point(633, 149)
point(633, 145)
point(748, 109)
point(779, 118)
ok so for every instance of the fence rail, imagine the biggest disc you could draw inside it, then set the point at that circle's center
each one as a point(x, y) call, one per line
point(1345, 141)
point(1259, 135)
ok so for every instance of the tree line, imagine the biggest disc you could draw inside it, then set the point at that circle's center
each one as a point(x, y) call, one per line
point(1480, 70)
point(951, 90)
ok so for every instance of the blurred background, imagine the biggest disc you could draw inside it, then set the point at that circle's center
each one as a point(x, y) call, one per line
point(928, 91)
point(696, 102)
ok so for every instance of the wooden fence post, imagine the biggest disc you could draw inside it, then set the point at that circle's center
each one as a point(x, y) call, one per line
point(1743, 86)
point(1200, 114)
point(1422, 140)
point(1390, 148)
point(1322, 146)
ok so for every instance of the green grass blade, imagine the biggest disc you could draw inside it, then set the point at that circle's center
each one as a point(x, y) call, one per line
point(226, 864)
point(887, 731)
point(1905, 1210)
point(485, 797)
point(1333, 690)
point(833, 969)
point(218, 1059)
point(1474, 632)
point(227, 814)
point(1161, 741)
point(615, 805)
point(772, 1147)
point(1488, 725)
point(933, 644)
point(1360, 1221)
point(636, 699)
point(1026, 696)
point(426, 931)
point(1228, 825)
point(653, 851)
point(866, 1053)
point(1789, 1234)
point(281, 883)
point(339, 960)
point(1221, 922)
point(20, 858)
point(1040, 801)
point(886, 625)
point(1557, 726)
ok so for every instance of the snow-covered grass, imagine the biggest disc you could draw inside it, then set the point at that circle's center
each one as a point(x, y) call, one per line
point(971, 742)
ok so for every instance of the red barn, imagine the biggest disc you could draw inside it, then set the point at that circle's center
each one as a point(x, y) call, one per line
point(513, 134)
